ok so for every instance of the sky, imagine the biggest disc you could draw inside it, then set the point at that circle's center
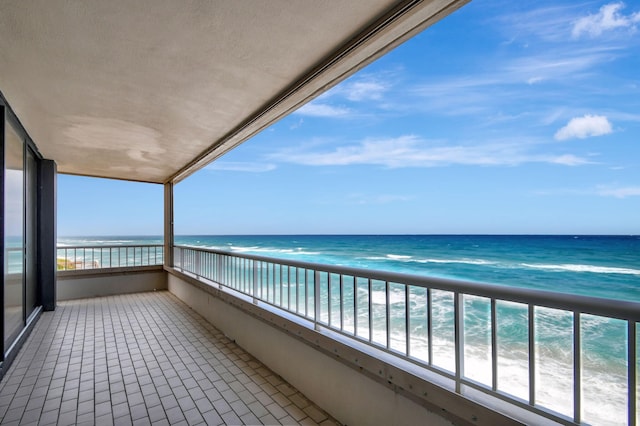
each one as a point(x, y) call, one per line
point(504, 118)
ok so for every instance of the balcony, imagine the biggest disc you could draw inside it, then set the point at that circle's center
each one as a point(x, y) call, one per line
point(153, 92)
point(143, 358)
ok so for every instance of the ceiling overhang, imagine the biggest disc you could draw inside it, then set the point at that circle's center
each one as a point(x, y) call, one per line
point(154, 90)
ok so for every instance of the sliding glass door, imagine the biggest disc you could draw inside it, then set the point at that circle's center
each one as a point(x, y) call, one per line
point(14, 233)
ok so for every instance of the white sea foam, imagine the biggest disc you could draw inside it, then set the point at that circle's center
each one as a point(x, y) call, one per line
point(603, 382)
point(257, 249)
point(92, 242)
point(397, 257)
point(604, 393)
point(582, 268)
point(460, 261)
point(380, 297)
point(406, 258)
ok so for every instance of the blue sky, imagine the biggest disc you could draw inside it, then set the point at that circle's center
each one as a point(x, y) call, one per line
point(505, 117)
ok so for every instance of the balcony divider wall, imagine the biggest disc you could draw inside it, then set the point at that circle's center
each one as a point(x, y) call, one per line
point(27, 233)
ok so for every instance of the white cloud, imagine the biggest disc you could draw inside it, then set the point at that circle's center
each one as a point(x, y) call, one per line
point(480, 93)
point(366, 89)
point(619, 192)
point(608, 18)
point(363, 87)
point(568, 160)
point(584, 127)
point(543, 23)
point(322, 110)
point(297, 124)
point(552, 116)
point(555, 63)
point(411, 151)
point(241, 166)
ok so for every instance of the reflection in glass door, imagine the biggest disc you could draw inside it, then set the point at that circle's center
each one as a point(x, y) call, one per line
point(14, 236)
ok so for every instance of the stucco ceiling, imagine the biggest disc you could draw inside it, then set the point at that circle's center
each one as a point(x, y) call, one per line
point(152, 90)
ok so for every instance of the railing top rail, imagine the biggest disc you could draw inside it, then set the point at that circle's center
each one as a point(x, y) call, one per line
point(108, 246)
point(612, 308)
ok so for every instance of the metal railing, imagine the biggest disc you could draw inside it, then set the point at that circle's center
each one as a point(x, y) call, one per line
point(13, 260)
point(553, 354)
point(113, 256)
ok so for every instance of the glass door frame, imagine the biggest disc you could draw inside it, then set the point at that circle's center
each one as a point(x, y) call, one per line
point(31, 252)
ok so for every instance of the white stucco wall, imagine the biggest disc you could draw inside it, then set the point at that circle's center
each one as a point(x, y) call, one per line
point(82, 284)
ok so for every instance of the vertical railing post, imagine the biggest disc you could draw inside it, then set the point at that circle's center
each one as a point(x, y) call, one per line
point(387, 313)
point(316, 303)
point(222, 262)
point(355, 306)
point(577, 369)
point(329, 298)
point(306, 292)
point(297, 290)
point(197, 266)
point(255, 281)
point(281, 286)
point(370, 295)
point(458, 318)
point(429, 328)
point(289, 288)
point(494, 345)
point(407, 320)
point(532, 355)
point(341, 302)
point(632, 373)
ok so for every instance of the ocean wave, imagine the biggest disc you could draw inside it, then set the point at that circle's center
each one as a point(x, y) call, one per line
point(582, 268)
point(397, 257)
point(461, 261)
point(92, 242)
point(411, 259)
point(256, 249)
point(380, 298)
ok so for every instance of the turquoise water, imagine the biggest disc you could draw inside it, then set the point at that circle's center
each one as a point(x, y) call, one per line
point(601, 266)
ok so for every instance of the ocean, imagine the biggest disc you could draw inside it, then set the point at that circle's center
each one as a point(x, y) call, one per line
point(600, 266)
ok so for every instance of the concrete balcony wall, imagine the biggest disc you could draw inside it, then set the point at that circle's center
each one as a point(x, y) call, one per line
point(351, 397)
point(80, 284)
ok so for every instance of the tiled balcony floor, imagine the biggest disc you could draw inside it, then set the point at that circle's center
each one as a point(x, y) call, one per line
point(143, 358)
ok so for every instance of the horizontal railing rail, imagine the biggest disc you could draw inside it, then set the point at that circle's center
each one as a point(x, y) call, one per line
point(554, 354)
point(109, 256)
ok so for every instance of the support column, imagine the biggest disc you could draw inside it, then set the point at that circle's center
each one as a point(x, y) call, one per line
point(168, 224)
point(47, 233)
